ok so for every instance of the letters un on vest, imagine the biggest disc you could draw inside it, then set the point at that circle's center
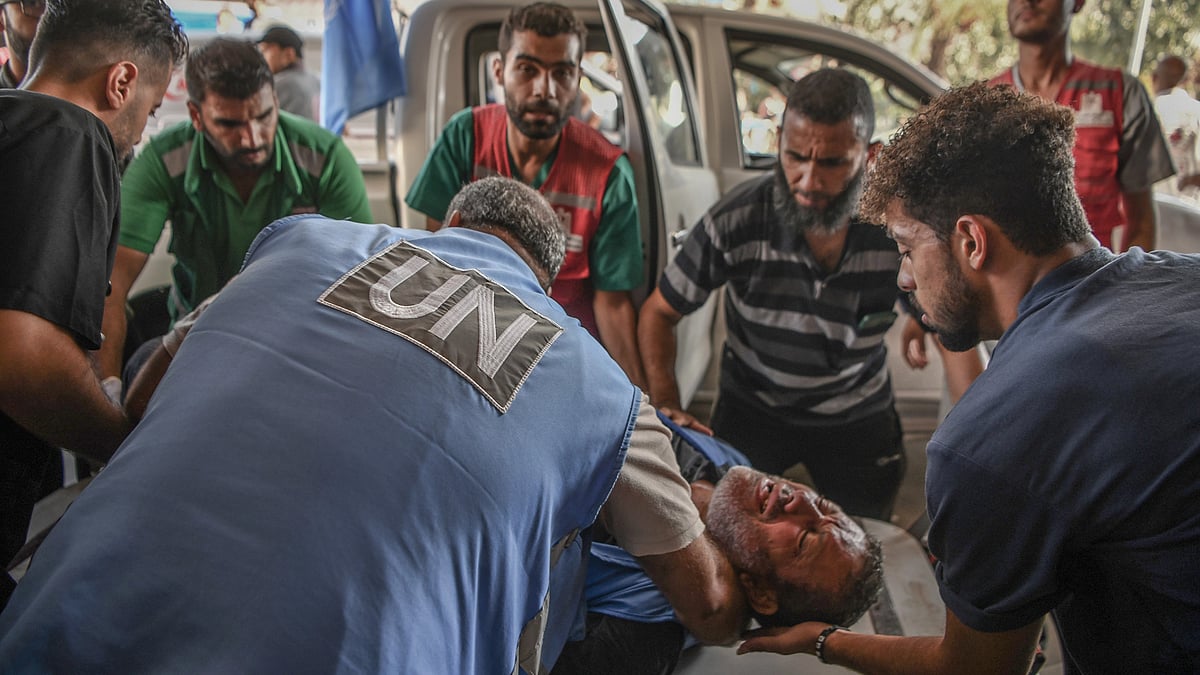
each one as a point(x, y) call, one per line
point(412, 293)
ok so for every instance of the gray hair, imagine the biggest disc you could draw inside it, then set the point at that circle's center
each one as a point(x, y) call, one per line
point(510, 206)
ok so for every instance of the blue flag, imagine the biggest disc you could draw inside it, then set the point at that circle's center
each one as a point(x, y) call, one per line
point(361, 67)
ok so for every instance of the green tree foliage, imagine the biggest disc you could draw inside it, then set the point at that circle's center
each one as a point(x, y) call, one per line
point(961, 40)
point(966, 40)
point(1104, 31)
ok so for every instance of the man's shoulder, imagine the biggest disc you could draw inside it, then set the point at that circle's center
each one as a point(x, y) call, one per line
point(580, 135)
point(25, 112)
point(172, 137)
point(299, 130)
point(757, 192)
point(21, 108)
point(1097, 77)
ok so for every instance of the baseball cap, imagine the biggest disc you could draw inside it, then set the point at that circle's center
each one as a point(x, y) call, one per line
point(284, 37)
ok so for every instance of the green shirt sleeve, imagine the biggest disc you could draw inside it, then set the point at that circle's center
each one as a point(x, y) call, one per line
point(146, 193)
point(447, 168)
point(615, 258)
point(341, 190)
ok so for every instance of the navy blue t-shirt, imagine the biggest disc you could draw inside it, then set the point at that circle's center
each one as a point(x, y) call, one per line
point(1068, 477)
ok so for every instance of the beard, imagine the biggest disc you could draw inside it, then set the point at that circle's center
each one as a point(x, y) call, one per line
point(239, 159)
point(730, 527)
point(828, 220)
point(958, 328)
point(537, 130)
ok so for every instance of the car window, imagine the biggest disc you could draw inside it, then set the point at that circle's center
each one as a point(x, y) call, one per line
point(669, 107)
point(764, 66)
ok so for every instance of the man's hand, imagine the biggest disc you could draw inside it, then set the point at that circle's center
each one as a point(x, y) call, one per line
point(684, 419)
point(798, 639)
point(913, 345)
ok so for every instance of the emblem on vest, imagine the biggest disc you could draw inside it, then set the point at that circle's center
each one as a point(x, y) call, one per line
point(565, 221)
point(471, 323)
point(1091, 111)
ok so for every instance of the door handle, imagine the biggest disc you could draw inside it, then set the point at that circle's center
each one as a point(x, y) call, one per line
point(680, 233)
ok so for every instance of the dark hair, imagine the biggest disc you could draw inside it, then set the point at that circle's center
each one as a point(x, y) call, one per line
point(547, 19)
point(832, 96)
point(988, 151)
point(285, 37)
point(75, 36)
point(840, 606)
point(227, 67)
point(511, 206)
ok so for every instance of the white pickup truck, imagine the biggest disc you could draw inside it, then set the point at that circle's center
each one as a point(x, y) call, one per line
point(692, 94)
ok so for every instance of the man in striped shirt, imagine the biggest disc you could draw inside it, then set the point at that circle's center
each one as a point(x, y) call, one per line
point(809, 296)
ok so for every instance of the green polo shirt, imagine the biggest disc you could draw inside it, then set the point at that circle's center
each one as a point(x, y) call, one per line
point(177, 177)
point(615, 255)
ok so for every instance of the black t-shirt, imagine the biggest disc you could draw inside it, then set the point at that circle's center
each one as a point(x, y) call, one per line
point(59, 206)
point(60, 194)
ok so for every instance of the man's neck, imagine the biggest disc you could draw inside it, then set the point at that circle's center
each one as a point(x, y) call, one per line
point(528, 154)
point(1027, 272)
point(1043, 66)
point(78, 93)
point(828, 247)
point(243, 179)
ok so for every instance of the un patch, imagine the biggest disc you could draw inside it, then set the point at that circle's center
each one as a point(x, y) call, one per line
point(471, 323)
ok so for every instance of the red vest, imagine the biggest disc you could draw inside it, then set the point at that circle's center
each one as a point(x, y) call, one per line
point(1097, 95)
point(574, 187)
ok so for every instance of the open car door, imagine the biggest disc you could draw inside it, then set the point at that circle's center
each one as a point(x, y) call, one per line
point(675, 185)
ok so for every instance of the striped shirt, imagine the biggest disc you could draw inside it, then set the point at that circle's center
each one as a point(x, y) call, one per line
point(803, 345)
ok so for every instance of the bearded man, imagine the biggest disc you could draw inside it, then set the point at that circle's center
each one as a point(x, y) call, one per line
point(809, 297)
point(532, 137)
point(219, 179)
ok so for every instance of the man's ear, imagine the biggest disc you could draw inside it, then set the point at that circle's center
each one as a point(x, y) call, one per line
point(455, 219)
point(120, 84)
point(971, 242)
point(498, 70)
point(194, 114)
point(761, 596)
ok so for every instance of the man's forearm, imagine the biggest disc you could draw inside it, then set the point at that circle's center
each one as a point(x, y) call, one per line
point(49, 386)
point(656, 342)
point(128, 266)
point(114, 327)
point(703, 590)
point(616, 320)
point(960, 650)
point(892, 655)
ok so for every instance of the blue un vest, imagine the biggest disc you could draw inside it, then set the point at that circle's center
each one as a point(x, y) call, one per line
point(321, 484)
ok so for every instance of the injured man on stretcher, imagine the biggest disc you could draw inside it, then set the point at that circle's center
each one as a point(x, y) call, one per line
point(295, 500)
point(798, 558)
